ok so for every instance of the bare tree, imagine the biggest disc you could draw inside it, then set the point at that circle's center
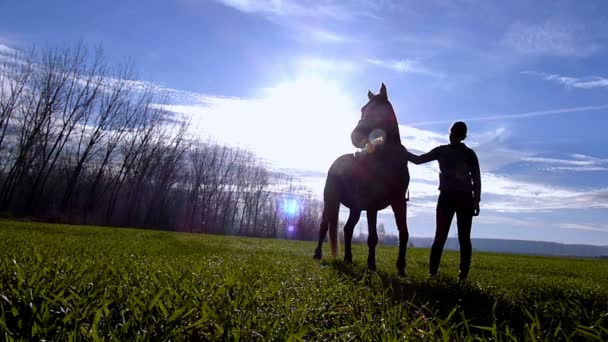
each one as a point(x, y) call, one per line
point(135, 148)
point(169, 157)
point(100, 148)
point(15, 73)
point(81, 85)
point(96, 126)
point(38, 136)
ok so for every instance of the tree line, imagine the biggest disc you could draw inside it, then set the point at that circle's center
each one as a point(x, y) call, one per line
point(83, 142)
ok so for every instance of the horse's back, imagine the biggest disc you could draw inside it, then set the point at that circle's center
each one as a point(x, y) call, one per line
point(368, 182)
point(342, 165)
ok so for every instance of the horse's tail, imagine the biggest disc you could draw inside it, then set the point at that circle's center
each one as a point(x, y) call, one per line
point(331, 210)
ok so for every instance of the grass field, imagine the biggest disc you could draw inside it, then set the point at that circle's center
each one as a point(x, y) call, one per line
point(68, 282)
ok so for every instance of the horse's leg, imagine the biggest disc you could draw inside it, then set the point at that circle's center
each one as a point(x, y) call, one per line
point(349, 228)
point(400, 210)
point(372, 239)
point(322, 233)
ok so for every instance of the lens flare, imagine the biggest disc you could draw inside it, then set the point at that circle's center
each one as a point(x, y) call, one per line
point(290, 207)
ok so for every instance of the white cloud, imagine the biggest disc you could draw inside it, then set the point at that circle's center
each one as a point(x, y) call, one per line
point(514, 116)
point(10, 55)
point(308, 21)
point(326, 66)
point(533, 223)
point(579, 168)
point(571, 162)
point(404, 66)
point(548, 39)
point(572, 82)
point(505, 194)
point(583, 227)
point(333, 9)
point(506, 220)
point(578, 162)
point(419, 139)
point(324, 35)
point(269, 6)
point(5, 50)
point(510, 195)
point(585, 83)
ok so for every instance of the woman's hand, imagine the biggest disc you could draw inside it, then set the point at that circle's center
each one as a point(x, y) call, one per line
point(476, 208)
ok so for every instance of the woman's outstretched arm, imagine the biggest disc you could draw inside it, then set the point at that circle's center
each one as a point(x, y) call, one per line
point(423, 158)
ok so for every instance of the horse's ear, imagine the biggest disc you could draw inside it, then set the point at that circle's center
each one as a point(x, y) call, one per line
point(383, 90)
point(370, 95)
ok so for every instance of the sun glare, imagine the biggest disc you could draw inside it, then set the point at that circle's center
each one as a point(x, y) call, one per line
point(312, 119)
point(302, 123)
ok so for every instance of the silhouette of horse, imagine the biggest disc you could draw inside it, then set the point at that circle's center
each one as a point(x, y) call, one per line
point(370, 182)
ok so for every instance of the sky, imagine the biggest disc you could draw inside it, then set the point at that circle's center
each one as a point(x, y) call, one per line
point(287, 79)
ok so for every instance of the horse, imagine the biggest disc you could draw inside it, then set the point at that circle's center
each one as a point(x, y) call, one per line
point(370, 182)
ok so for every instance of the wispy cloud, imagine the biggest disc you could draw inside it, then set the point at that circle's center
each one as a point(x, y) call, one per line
point(5, 50)
point(268, 6)
point(506, 194)
point(537, 223)
point(333, 9)
point(507, 220)
point(514, 116)
point(309, 21)
point(403, 66)
point(325, 35)
point(572, 82)
point(8, 54)
point(577, 163)
point(583, 227)
point(326, 65)
point(549, 39)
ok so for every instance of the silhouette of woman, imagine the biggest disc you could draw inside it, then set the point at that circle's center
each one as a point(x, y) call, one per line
point(459, 193)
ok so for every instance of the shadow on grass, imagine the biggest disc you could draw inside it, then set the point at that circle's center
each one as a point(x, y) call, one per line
point(439, 296)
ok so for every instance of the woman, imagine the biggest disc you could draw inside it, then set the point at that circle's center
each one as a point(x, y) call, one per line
point(459, 193)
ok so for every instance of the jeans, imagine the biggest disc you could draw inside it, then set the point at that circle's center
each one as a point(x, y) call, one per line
point(448, 204)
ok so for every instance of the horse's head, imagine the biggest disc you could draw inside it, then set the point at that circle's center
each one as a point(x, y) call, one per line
point(378, 106)
point(377, 119)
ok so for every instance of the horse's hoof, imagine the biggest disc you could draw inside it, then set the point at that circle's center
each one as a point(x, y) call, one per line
point(318, 254)
point(401, 272)
point(348, 260)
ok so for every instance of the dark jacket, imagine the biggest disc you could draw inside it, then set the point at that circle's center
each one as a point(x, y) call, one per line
point(458, 166)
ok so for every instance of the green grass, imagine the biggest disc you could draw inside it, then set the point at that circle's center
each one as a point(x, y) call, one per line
point(86, 283)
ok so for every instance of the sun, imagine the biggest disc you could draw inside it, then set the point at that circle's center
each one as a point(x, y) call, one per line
point(303, 122)
point(312, 118)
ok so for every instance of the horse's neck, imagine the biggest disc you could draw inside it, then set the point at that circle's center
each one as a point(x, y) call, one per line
point(391, 152)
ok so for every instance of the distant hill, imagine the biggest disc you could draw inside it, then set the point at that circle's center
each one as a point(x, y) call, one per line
point(515, 246)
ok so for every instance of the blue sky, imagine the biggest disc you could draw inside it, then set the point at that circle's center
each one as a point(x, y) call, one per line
point(529, 78)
